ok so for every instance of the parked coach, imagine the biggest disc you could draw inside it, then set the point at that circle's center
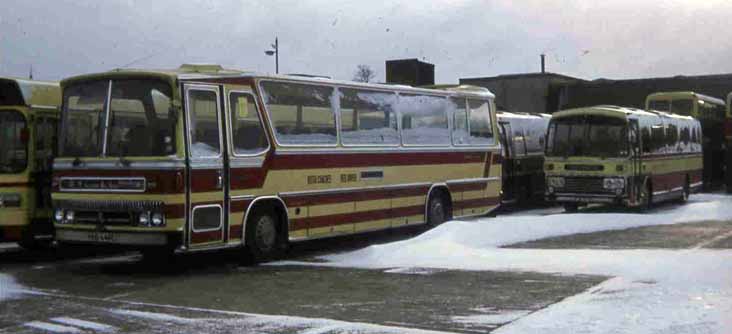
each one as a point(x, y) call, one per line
point(616, 155)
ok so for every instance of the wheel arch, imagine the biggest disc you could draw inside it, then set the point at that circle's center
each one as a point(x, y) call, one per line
point(277, 203)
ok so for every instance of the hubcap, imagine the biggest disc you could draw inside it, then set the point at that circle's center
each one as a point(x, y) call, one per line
point(266, 233)
point(437, 211)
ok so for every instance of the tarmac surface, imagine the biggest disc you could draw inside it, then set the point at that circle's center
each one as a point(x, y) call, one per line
point(81, 291)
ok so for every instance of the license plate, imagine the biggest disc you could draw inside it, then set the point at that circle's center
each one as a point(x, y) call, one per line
point(101, 236)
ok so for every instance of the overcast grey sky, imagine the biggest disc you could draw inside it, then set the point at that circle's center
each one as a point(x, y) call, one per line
point(463, 38)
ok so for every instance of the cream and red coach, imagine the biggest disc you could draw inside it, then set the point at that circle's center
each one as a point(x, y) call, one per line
point(202, 157)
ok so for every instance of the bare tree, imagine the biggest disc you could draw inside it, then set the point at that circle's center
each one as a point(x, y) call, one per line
point(364, 73)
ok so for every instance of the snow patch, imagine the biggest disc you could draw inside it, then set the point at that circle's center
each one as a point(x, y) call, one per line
point(654, 291)
point(53, 328)
point(152, 316)
point(414, 271)
point(494, 318)
point(84, 324)
point(8, 288)
point(278, 323)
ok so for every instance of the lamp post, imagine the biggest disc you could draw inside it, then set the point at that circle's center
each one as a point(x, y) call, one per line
point(276, 52)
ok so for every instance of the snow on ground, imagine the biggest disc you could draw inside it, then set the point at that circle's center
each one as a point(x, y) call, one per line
point(8, 288)
point(490, 317)
point(653, 291)
point(249, 322)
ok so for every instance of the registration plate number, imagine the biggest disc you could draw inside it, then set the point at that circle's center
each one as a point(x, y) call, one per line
point(101, 236)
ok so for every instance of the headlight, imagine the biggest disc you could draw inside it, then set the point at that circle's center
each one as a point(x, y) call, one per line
point(144, 219)
point(556, 182)
point(613, 183)
point(157, 219)
point(550, 190)
point(9, 200)
point(69, 217)
point(58, 216)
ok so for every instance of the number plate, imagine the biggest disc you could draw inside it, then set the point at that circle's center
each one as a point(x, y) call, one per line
point(101, 236)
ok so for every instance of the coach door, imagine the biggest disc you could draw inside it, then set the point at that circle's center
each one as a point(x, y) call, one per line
point(206, 178)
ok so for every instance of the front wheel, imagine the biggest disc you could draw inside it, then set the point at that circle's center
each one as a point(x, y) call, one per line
point(437, 212)
point(264, 240)
point(571, 207)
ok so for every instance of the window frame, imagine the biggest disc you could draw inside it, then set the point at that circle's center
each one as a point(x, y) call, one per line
point(397, 114)
point(447, 119)
point(335, 109)
point(230, 130)
point(189, 114)
point(467, 123)
point(490, 125)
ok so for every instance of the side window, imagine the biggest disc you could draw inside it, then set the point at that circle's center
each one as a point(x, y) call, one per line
point(368, 117)
point(682, 107)
point(646, 139)
point(301, 114)
point(685, 137)
point(247, 134)
point(204, 125)
point(672, 137)
point(424, 120)
point(534, 135)
point(460, 135)
point(481, 130)
point(658, 140)
point(518, 145)
point(659, 105)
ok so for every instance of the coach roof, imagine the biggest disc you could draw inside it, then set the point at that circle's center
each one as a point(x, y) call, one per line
point(192, 72)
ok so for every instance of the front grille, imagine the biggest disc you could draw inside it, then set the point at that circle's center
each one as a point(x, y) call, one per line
point(583, 185)
point(106, 218)
point(585, 168)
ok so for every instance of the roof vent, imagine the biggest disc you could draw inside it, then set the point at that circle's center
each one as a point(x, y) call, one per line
point(201, 68)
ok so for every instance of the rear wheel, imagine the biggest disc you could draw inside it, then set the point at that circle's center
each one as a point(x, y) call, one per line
point(264, 239)
point(571, 207)
point(646, 197)
point(687, 191)
point(437, 211)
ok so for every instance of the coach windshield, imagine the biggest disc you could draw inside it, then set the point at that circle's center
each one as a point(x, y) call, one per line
point(130, 118)
point(588, 136)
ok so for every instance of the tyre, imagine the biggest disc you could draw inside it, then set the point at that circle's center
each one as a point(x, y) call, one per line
point(646, 197)
point(264, 239)
point(571, 207)
point(437, 211)
point(29, 238)
point(686, 192)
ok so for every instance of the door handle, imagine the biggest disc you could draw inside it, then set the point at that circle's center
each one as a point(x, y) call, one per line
point(219, 180)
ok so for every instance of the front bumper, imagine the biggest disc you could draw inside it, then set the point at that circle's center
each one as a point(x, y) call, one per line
point(587, 198)
point(118, 238)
